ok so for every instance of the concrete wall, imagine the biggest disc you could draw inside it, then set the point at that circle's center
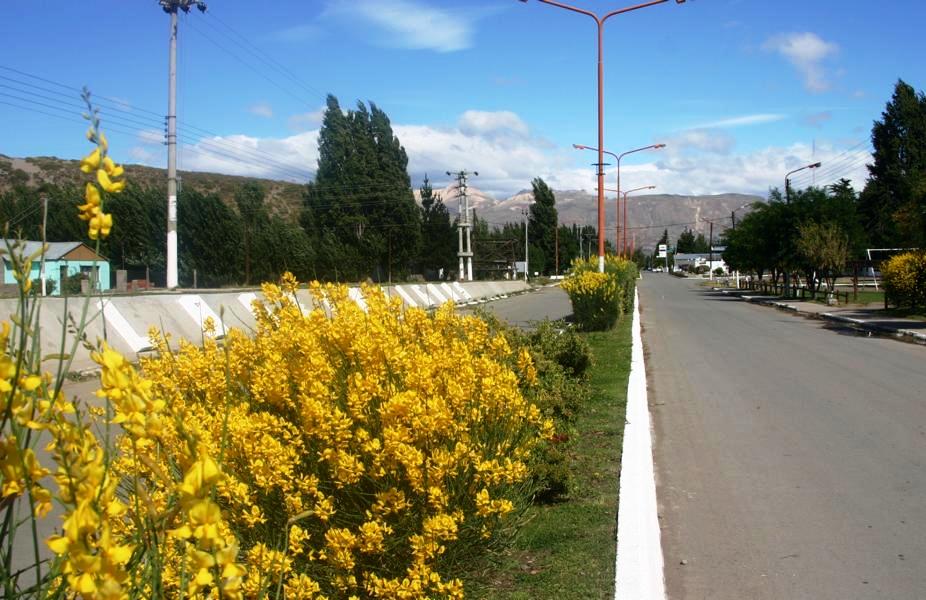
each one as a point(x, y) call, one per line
point(124, 320)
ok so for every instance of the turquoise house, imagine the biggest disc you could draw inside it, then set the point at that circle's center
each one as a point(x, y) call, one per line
point(62, 259)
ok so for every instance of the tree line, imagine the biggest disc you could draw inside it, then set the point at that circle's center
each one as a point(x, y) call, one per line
point(817, 231)
point(359, 220)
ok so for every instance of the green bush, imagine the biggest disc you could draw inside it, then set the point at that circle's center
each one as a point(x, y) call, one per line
point(49, 286)
point(562, 359)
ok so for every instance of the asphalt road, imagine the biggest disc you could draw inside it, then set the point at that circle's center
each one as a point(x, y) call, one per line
point(523, 309)
point(789, 456)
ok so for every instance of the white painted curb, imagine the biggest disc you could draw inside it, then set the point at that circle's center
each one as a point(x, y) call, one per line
point(639, 569)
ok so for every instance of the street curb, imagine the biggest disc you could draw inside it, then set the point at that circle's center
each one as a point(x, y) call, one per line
point(900, 334)
point(639, 564)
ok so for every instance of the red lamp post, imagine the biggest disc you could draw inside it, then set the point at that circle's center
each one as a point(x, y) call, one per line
point(621, 223)
point(627, 193)
point(599, 21)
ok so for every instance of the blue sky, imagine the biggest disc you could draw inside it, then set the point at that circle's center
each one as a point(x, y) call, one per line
point(741, 91)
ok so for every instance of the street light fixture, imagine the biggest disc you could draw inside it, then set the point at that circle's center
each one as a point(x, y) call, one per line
point(815, 165)
point(600, 21)
point(621, 224)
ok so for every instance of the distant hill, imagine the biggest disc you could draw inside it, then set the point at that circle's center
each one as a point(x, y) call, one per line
point(649, 215)
point(283, 197)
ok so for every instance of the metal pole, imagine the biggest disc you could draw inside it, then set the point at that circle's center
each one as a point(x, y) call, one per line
point(44, 223)
point(737, 271)
point(172, 154)
point(600, 148)
point(617, 216)
point(525, 212)
point(710, 250)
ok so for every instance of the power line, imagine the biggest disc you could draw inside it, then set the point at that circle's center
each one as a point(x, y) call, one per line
point(159, 123)
point(250, 66)
point(270, 61)
point(241, 153)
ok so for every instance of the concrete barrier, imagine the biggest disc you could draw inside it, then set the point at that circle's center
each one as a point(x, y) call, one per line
point(124, 320)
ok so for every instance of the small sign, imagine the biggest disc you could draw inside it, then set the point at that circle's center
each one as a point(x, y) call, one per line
point(662, 251)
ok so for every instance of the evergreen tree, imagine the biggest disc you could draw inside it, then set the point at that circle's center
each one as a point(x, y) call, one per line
point(568, 246)
point(254, 218)
point(686, 242)
point(893, 204)
point(438, 249)
point(209, 237)
point(701, 244)
point(542, 224)
point(361, 197)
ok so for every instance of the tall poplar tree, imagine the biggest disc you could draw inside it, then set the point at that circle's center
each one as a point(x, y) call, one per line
point(360, 210)
point(542, 226)
point(893, 203)
point(437, 233)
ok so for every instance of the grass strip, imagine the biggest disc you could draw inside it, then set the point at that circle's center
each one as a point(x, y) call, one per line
point(567, 549)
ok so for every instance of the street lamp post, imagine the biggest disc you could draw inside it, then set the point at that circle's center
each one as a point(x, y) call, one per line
point(815, 165)
point(628, 192)
point(733, 223)
point(600, 21)
point(621, 224)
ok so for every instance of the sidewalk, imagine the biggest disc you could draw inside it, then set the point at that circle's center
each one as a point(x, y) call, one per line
point(865, 318)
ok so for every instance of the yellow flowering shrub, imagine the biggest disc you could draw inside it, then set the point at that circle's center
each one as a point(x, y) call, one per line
point(596, 299)
point(624, 270)
point(363, 451)
point(333, 454)
point(905, 279)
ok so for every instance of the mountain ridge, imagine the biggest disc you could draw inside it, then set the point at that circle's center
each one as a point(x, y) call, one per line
point(648, 215)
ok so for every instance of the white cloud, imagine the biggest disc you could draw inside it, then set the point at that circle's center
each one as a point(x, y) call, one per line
point(500, 147)
point(477, 122)
point(410, 24)
point(141, 155)
point(742, 121)
point(806, 51)
point(261, 109)
point(715, 142)
point(306, 121)
point(292, 158)
point(151, 136)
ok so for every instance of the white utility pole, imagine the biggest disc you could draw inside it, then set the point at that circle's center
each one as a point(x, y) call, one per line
point(171, 7)
point(526, 213)
point(464, 228)
point(44, 224)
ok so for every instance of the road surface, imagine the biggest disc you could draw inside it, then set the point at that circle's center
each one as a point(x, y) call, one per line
point(790, 456)
point(523, 309)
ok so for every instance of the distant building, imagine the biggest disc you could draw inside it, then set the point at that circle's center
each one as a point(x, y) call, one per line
point(62, 260)
point(690, 262)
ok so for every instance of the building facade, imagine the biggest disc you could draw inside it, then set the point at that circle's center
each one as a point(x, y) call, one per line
point(63, 261)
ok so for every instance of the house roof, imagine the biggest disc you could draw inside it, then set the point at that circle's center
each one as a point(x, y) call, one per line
point(56, 250)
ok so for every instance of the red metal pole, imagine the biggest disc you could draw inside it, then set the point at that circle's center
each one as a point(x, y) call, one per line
point(599, 22)
point(625, 225)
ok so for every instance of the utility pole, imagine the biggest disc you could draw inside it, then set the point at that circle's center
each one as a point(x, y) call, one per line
point(526, 213)
point(464, 227)
point(556, 248)
point(710, 264)
point(171, 7)
point(44, 223)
